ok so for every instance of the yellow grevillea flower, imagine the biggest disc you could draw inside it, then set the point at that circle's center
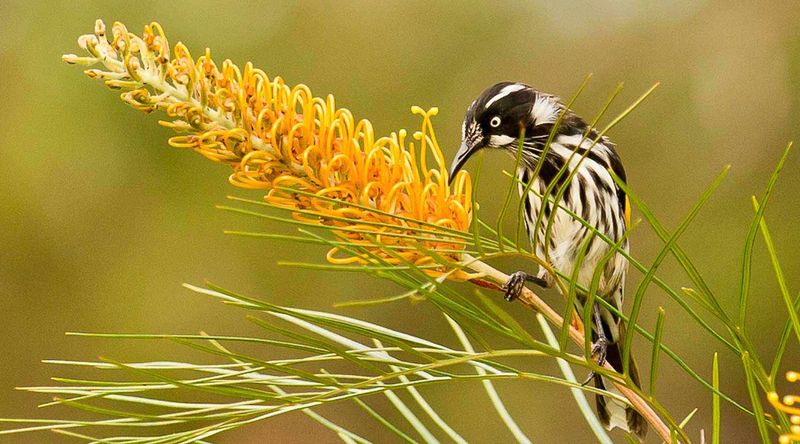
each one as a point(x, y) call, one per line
point(309, 155)
point(787, 405)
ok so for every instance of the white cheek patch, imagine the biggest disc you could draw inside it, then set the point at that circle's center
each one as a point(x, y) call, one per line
point(500, 140)
point(471, 131)
point(545, 110)
point(504, 92)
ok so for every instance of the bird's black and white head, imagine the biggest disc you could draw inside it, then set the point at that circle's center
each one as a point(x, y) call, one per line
point(498, 116)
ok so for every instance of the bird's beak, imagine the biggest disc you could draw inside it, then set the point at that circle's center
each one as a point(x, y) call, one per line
point(461, 158)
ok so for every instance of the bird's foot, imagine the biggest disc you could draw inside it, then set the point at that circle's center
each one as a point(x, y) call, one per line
point(599, 354)
point(600, 351)
point(513, 287)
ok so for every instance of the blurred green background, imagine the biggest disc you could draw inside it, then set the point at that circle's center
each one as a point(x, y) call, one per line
point(102, 221)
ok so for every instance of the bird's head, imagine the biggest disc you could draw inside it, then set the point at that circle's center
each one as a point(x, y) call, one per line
point(496, 119)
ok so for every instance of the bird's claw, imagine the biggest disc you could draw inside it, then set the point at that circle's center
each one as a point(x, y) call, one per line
point(600, 349)
point(513, 287)
point(516, 282)
point(599, 353)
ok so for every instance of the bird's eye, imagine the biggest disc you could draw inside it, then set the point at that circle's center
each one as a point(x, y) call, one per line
point(495, 122)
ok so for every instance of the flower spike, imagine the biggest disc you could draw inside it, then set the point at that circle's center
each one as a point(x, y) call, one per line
point(305, 152)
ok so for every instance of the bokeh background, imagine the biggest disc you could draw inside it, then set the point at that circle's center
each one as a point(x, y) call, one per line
point(102, 221)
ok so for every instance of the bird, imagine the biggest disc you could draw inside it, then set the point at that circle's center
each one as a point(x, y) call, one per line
point(513, 116)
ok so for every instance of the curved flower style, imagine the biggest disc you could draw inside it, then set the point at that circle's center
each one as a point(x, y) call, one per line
point(310, 156)
point(787, 405)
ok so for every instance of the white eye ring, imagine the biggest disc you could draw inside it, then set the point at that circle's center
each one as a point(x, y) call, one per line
point(495, 122)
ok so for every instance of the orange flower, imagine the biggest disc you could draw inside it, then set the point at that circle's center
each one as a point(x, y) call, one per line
point(787, 405)
point(310, 156)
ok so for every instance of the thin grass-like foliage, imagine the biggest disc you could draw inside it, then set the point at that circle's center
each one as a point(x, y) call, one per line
point(384, 206)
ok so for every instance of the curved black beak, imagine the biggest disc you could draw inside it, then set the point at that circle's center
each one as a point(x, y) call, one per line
point(463, 154)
